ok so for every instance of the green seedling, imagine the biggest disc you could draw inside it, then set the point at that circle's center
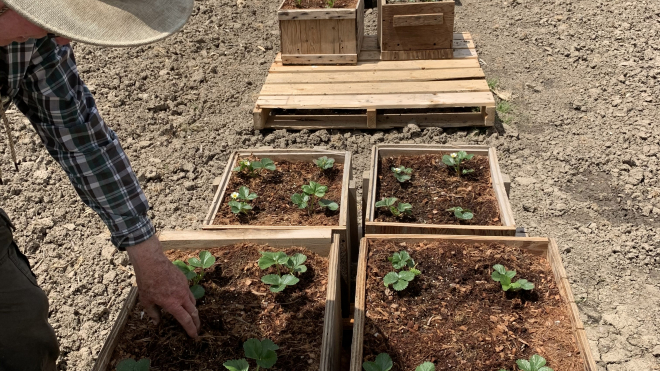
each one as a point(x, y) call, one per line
point(461, 213)
point(263, 352)
point(492, 83)
point(254, 168)
point(238, 202)
point(399, 281)
point(401, 260)
point(399, 210)
point(204, 261)
point(504, 107)
point(294, 265)
point(310, 194)
point(130, 364)
point(331, 3)
point(456, 159)
point(402, 173)
point(503, 276)
point(325, 163)
point(383, 362)
point(535, 363)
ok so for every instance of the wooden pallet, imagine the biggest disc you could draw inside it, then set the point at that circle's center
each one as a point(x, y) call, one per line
point(377, 94)
point(322, 242)
point(538, 246)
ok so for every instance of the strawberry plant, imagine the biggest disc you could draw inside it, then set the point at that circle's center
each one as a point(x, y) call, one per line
point(535, 363)
point(254, 168)
point(204, 261)
point(501, 275)
point(455, 160)
point(399, 210)
point(461, 213)
point(130, 364)
point(294, 265)
point(239, 204)
point(311, 193)
point(401, 173)
point(401, 259)
point(383, 362)
point(325, 163)
point(400, 280)
point(263, 352)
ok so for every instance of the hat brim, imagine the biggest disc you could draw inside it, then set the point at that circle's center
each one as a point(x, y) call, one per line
point(117, 23)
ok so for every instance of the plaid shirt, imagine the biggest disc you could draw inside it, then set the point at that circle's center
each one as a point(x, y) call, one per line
point(42, 80)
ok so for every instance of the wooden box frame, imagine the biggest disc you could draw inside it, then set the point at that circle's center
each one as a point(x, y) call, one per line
point(539, 246)
point(416, 30)
point(322, 242)
point(321, 36)
point(508, 227)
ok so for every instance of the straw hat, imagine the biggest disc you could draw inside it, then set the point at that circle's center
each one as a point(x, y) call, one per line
point(106, 22)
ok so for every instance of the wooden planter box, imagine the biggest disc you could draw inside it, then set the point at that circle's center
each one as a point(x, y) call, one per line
point(321, 36)
point(322, 242)
point(416, 30)
point(508, 227)
point(347, 227)
point(538, 246)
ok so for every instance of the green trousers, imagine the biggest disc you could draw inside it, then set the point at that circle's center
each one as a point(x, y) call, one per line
point(27, 341)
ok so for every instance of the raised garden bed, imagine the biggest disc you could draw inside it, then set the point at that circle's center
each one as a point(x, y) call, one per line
point(273, 208)
point(304, 320)
point(434, 188)
point(416, 30)
point(313, 33)
point(456, 316)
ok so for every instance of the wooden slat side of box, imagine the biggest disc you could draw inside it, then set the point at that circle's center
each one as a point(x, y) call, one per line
point(506, 214)
point(307, 59)
point(378, 66)
point(315, 14)
point(360, 305)
point(105, 356)
point(409, 228)
point(333, 325)
point(405, 55)
point(374, 76)
point(427, 37)
point(220, 192)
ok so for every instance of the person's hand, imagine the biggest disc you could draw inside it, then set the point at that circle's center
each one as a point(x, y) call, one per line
point(13, 27)
point(162, 284)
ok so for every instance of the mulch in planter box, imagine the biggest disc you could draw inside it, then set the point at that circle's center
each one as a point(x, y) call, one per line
point(273, 206)
point(318, 4)
point(435, 187)
point(457, 317)
point(237, 306)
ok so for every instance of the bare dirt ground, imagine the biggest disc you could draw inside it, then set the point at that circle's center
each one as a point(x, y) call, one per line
point(580, 141)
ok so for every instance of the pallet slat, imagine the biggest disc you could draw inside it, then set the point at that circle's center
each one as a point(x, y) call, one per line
point(453, 86)
point(375, 76)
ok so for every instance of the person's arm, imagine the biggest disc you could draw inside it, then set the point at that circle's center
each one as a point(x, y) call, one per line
point(63, 111)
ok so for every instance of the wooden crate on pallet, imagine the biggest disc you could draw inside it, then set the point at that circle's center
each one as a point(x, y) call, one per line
point(347, 210)
point(538, 246)
point(508, 227)
point(378, 94)
point(416, 30)
point(322, 242)
point(321, 36)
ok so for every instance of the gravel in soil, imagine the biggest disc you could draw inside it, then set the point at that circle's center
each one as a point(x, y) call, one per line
point(319, 4)
point(274, 189)
point(457, 317)
point(434, 188)
point(237, 306)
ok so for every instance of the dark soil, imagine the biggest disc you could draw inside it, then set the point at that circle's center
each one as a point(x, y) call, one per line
point(434, 188)
point(457, 317)
point(273, 206)
point(319, 4)
point(237, 306)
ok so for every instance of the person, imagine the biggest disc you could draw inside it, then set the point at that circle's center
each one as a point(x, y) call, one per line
point(38, 74)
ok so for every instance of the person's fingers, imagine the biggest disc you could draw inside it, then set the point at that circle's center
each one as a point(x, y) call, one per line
point(192, 298)
point(192, 310)
point(152, 311)
point(185, 319)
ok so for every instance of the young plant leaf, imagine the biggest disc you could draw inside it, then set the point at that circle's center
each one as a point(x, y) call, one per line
point(300, 199)
point(244, 194)
point(401, 173)
point(262, 351)
point(268, 164)
point(404, 208)
point(426, 366)
point(324, 162)
point(295, 263)
point(270, 258)
point(197, 291)
point(386, 202)
point(188, 271)
point(207, 259)
point(278, 283)
point(130, 364)
point(390, 278)
point(329, 204)
point(383, 362)
point(401, 259)
point(461, 213)
point(237, 365)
